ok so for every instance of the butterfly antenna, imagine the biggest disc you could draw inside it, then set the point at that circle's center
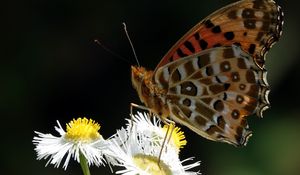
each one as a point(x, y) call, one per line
point(130, 42)
point(110, 51)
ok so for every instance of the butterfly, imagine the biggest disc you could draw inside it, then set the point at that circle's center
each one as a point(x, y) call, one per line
point(215, 76)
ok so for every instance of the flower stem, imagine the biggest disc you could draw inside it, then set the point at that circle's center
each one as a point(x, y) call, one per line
point(84, 164)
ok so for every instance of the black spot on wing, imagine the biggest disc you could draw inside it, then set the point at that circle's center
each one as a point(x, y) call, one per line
point(188, 88)
point(216, 29)
point(248, 13)
point(218, 79)
point(209, 71)
point(226, 86)
point(221, 122)
point(208, 24)
point(225, 96)
point(249, 24)
point(235, 114)
point(180, 53)
point(189, 46)
point(203, 44)
point(187, 102)
point(251, 49)
point(229, 35)
point(176, 76)
point(197, 36)
point(218, 105)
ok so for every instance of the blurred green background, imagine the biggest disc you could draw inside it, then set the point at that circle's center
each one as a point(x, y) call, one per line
point(52, 70)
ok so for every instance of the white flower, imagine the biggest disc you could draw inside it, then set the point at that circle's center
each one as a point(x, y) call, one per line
point(150, 127)
point(81, 139)
point(138, 155)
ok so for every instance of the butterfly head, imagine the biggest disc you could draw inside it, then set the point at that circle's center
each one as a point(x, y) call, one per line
point(150, 94)
point(140, 80)
point(137, 76)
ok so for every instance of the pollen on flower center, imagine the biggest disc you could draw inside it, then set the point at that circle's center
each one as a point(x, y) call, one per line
point(82, 129)
point(177, 136)
point(150, 164)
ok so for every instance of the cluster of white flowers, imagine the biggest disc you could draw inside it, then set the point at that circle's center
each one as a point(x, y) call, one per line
point(143, 147)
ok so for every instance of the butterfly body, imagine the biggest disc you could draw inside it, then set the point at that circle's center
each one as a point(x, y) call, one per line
point(214, 76)
point(149, 92)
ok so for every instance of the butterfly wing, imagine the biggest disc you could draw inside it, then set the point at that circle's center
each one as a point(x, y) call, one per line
point(255, 25)
point(213, 91)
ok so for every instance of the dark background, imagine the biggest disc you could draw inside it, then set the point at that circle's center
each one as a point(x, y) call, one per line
point(52, 70)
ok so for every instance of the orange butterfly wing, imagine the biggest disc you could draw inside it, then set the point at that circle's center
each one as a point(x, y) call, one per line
point(255, 25)
point(204, 90)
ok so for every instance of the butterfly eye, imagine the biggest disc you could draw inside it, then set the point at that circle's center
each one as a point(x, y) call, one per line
point(135, 74)
point(135, 80)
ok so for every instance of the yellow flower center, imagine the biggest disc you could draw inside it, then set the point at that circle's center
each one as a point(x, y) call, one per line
point(150, 165)
point(177, 136)
point(83, 130)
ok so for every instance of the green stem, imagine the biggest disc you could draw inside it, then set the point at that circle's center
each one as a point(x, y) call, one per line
point(84, 164)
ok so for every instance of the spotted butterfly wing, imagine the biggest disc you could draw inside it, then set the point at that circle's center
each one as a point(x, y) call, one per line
point(254, 24)
point(214, 76)
point(210, 92)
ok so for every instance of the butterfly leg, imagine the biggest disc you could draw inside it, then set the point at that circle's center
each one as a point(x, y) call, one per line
point(169, 123)
point(172, 124)
point(133, 105)
point(168, 136)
